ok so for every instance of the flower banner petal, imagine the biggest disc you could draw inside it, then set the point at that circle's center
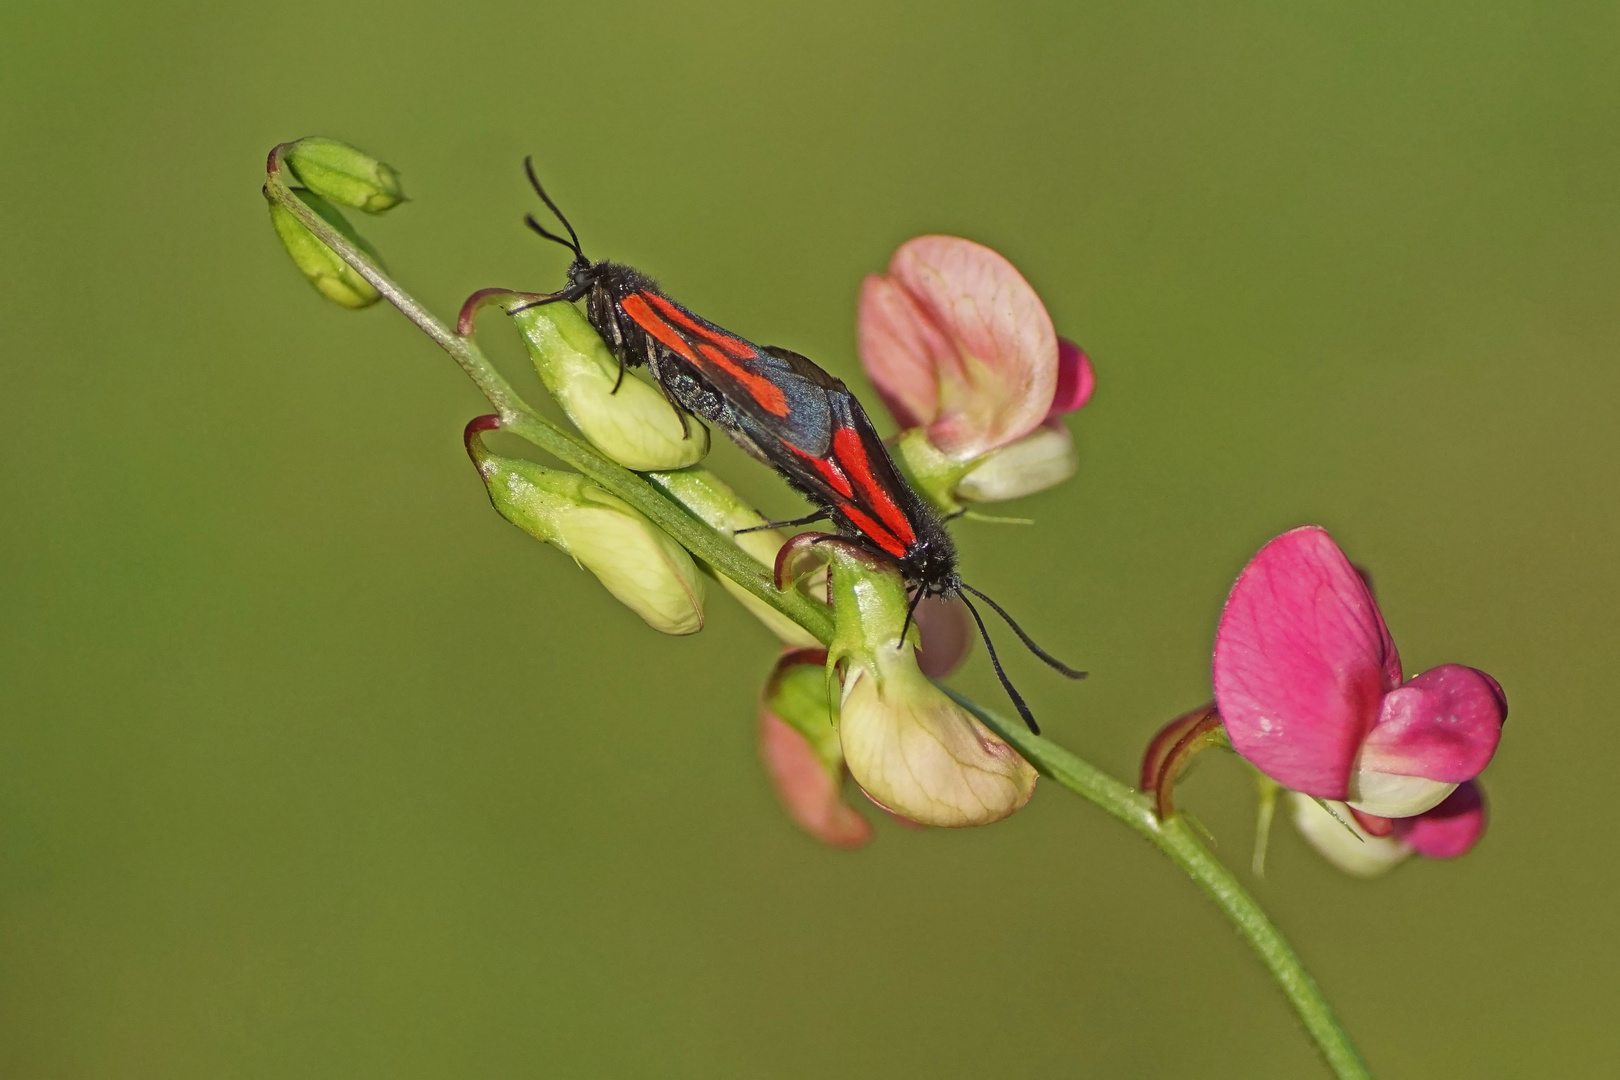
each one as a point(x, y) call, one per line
point(1302, 659)
point(1000, 383)
point(901, 348)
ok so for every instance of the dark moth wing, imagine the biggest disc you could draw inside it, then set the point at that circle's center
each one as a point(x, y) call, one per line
point(787, 398)
point(854, 477)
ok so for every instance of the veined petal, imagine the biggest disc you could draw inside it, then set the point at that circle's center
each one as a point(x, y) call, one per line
point(1302, 661)
point(901, 350)
point(1000, 381)
point(919, 754)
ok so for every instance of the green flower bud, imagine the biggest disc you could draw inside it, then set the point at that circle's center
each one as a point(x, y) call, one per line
point(640, 564)
point(635, 425)
point(912, 749)
point(347, 176)
point(711, 500)
point(332, 277)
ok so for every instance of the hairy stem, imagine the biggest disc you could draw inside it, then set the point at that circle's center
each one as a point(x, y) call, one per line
point(1171, 837)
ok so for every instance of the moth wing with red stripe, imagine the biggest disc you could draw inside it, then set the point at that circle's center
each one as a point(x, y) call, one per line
point(786, 397)
point(854, 478)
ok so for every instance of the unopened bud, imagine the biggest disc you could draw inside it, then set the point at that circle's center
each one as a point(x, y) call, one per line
point(347, 176)
point(628, 419)
point(912, 749)
point(640, 564)
point(712, 501)
point(332, 277)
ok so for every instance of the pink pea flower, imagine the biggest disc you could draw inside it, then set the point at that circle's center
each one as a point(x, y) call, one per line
point(963, 353)
point(1366, 846)
point(1309, 686)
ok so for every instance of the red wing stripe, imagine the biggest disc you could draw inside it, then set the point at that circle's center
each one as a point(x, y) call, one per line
point(674, 312)
point(829, 471)
point(873, 531)
point(766, 393)
point(635, 307)
point(851, 454)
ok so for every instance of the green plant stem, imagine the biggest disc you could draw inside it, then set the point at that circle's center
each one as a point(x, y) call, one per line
point(1176, 840)
point(1127, 805)
point(518, 417)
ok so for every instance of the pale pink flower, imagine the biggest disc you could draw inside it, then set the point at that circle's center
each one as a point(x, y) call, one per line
point(957, 342)
point(1309, 686)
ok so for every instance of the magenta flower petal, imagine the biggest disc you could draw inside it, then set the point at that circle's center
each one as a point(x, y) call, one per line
point(1076, 379)
point(1443, 725)
point(808, 791)
point(901, 349)
point(1450, 829)
point(998, 381)
point(1302, 660)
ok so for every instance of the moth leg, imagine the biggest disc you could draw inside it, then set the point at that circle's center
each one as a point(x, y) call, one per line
point(819, 515)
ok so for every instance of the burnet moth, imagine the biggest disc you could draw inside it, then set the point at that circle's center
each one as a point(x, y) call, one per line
point(785, 411)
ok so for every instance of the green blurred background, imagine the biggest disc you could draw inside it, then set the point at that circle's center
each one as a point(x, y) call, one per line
point(312, 766)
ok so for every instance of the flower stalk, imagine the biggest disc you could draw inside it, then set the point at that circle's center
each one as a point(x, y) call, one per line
point(519, 418)
point(1171, 835)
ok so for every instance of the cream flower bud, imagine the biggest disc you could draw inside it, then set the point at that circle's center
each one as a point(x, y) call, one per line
point(332, 277)
point(640, 564)
point(634, 425)
point(912, 749)
point(344, 174)
point(712, 501)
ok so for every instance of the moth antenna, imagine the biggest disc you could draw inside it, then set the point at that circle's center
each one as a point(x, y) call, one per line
point(528, 219)
point(1029, 643)
point(528, 167)
point(995, 662)
point(911, 609)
